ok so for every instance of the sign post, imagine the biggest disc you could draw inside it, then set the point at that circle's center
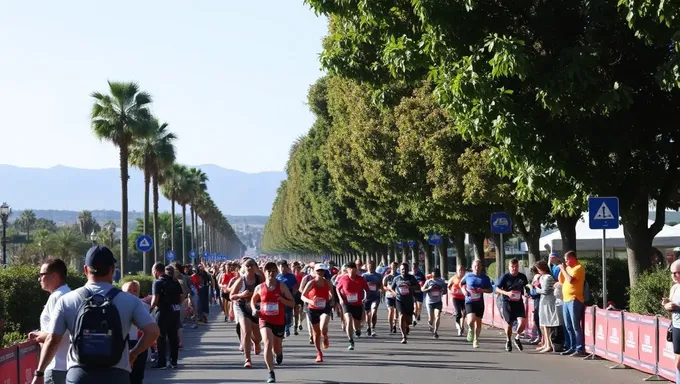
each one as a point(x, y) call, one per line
point(501, 224)
point(603, 213)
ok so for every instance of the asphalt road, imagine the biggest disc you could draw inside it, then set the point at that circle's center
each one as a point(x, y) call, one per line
point(211, 355)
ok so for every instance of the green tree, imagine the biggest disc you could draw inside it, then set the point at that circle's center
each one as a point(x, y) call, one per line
point(87, 224)
point(27, 221)
point(196, 194)
point(46, 224)
point(121, 117)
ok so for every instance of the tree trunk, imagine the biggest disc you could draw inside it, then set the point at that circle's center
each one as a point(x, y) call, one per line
point(156, 224)
point(567, 227)
point(123, 208)
point(172, 225)
point(639, 237)
point(191, 219)
point(145, 255)
point(530, 228)
point(444, 258)
point(477, 240)
point(185, 256)
point(459, 245)
point(428, 256)
point(415, 253)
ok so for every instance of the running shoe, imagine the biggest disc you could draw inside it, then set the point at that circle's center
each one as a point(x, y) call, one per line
point(475, 344)
point(319, 358)
point(247, 364)
point(508, 346)
point(518, 343)
point(279, 359)
point(470, 335)
point(272, 377)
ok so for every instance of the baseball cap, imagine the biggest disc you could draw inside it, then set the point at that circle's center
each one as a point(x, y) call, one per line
point(320, 267)
point(554, 254)
point(99, 257)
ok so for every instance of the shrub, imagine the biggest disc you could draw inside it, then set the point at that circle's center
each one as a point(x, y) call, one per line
point(12, 338)
point(491, 271)
point(617, 281)
point(23, 299)
point(145, 282)
point(646, 295)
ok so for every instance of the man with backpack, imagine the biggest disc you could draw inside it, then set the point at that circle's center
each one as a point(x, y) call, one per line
point(98, 318)
point(167, 298)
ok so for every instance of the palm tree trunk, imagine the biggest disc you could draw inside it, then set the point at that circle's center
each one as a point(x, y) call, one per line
point(172, 224)
point(193, 227)
point(205, 243)
point(145, 255)
point(156, 223)
point(185, 256)
point(123, 207)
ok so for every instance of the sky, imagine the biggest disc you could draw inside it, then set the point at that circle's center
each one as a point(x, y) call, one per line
point(230, 77)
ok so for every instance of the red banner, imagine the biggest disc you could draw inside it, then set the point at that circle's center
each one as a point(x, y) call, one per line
point(498, 321)
point(529, 332)
point(615, 336)
point(631, 357)
point(29, 354)
point(601, 332)
point(647, 345)
point(666, 355)
point(446, 304)
point(488, 309)
point(8, 365)
point(589, 329)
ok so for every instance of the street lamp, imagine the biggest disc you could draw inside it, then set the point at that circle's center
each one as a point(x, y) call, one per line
point(93, 238)
point(164, 236)
point(5, 211)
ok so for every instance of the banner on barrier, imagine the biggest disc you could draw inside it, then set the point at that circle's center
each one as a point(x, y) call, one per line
point(529, 332)
point(29, 354)
point(498, 321)
point(614, 331)
point(8, 365)
point(488, 309)
point(666, 356)
point(601, 332)
point(631, 356)
point(588, 329)
point(647, 344)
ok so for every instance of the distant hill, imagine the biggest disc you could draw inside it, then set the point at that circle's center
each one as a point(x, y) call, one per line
point(73, 189)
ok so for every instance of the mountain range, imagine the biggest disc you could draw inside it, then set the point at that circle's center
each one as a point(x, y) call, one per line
point(74, 189)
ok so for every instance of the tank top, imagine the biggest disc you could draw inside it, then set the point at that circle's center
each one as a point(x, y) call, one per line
point(247, 287)
point(271, 310)
point(389, 294)
point(457, 292)
point(319, 294)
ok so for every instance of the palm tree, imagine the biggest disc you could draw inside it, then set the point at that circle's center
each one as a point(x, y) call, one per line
point(27, 220)
point(120, 118)
point(87, 224)
point(110, 230)
point(198, 186)
point(172, 185)
point(150, 154)
point(67, 245)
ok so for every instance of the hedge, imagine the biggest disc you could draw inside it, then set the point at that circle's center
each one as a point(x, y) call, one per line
point(646, 295)
point(617, 281)
point(145, 283)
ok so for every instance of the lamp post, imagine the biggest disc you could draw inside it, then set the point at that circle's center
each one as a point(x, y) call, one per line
point(164, 236)
point(5, 211)
point(93, 238)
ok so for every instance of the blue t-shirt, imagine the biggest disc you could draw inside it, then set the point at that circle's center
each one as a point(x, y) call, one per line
point(472, 284)
point(555, 272)
point(374, 281)
point(288, 279)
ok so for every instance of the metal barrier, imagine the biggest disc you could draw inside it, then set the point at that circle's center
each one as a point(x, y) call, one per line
point(19, 362)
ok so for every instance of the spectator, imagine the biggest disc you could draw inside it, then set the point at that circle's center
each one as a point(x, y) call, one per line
point(572, 277)
point(137, 373)
point(167, 296)
point(547, 313)
point(555, 265)
point(52, 279)
point(672, 305)
point(536, 297)
point(99, 268)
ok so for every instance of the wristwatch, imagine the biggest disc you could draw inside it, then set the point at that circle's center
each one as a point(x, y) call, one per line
point(38, 374)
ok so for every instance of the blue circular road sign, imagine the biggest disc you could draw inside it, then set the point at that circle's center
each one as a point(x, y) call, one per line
point(192, 255)
point(144, 243)
point(170, 256)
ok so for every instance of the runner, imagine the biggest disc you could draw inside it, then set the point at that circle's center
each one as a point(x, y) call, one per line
point(390, 298)
point(351, 288)
point(336, 303)
point(297, 311)
point(458, 298)
point(225, 277)
point(274, 297)
point(244, 286)
point(474, 285)
point(317, 294)
point(307, 278)
point(417, 293)
point(511, 286)
point(287, 277)
point(434, 288)
point(403, 287)
point(374, 281)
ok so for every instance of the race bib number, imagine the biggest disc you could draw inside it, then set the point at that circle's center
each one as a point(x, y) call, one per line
point(475, 295)
point(389, 294)
point(404, 290)
point(176, 307)
point(435, 293)
point(457, 291)
point(319, 302)
point(372, 287)
point(271, 309)
point(352, 298)
point(515, 296)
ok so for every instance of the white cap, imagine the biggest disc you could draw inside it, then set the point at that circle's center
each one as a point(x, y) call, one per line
point(320, 267)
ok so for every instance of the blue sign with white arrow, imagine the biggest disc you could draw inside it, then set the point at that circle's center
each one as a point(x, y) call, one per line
point(501, 223)
point(144, 243)
point(192, 255)
point(435, 238)
point(400, 244)
point(603, 212)
point(411, 243)
point(170, 256)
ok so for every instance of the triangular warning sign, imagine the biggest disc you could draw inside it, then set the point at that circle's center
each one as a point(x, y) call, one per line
point(144, 243)
point(603, 213)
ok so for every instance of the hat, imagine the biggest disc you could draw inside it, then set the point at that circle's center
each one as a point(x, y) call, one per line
point(99, 257)
point(320, 267)
point(554, 254)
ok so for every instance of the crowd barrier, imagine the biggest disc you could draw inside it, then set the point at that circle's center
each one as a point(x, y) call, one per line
point(626, 339)
point(19, 362)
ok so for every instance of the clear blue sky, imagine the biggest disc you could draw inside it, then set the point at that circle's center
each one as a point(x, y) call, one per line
point(230, 77)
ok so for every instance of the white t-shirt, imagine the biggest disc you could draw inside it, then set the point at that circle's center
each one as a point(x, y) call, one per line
point(59, 361)
point(133, 328)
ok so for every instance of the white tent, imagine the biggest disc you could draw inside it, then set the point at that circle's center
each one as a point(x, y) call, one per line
point(591, 239)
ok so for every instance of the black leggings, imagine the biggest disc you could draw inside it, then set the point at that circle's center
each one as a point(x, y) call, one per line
point(537, 327)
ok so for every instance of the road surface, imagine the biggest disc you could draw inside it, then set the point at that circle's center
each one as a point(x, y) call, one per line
point(211, 355)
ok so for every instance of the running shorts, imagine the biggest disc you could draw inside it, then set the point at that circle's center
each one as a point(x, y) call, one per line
point(298, 299)
point(458, 307)
point(277, 330)
point(371, 303)
point(433, 306)
point(418, 296)
point(225, 296)
point(314, 315)
point(357, 311)
point(405, 307)
point(391, 302)
point(475, 308)
point(512, 310)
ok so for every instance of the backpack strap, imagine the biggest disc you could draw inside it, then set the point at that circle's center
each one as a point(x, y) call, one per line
point(112, 293)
